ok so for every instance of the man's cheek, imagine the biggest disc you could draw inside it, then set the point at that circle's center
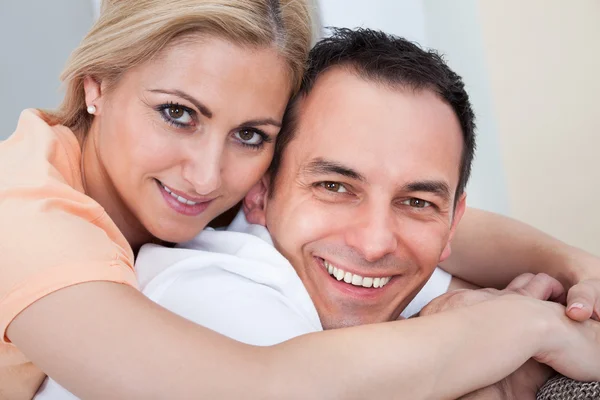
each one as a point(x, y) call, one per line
point(314, 221)
point(428, 243)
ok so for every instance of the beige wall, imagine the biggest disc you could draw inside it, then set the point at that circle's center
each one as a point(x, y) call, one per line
point(543, 58)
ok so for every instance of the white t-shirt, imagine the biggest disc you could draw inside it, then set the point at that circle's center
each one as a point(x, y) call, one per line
point(236, 283)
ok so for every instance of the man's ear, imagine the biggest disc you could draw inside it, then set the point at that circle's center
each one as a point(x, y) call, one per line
point(93, 93)
point(255, 202)
point(459, 211)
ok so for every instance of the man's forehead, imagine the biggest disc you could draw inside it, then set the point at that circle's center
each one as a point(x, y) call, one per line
point(341, 89)
point(369, 126)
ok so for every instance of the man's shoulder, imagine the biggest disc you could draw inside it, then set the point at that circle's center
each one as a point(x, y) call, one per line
point(250, 297)
point(213, 255)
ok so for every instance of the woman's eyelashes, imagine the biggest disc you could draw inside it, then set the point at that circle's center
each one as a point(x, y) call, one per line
point(253, 138)
point(177, 115)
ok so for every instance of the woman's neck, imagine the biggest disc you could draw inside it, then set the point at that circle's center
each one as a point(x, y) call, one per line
point(98, 185)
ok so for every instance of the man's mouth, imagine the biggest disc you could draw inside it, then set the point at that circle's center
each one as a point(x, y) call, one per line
point(355, 279)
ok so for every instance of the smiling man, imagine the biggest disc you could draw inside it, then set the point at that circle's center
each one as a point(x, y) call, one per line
point(367, 197)
point(361, 203)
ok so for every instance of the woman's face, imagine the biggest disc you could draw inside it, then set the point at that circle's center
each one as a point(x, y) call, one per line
point(182, 138)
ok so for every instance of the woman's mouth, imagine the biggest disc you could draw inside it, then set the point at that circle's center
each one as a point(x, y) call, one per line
point(182, 203)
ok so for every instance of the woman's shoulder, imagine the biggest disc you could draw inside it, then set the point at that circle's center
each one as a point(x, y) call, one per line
point(52, 234)
point(37, 150)
point(40, 171)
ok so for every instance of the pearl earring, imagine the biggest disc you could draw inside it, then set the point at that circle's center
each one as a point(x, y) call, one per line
point(91, 109)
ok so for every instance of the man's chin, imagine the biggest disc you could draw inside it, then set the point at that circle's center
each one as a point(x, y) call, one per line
point(330, 322)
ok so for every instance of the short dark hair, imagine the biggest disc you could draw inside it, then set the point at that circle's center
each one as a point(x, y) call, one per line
point(389, 60)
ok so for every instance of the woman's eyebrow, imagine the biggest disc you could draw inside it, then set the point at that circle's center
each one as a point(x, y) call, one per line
point(197, 103)
point(262, 121)
point(208, 113)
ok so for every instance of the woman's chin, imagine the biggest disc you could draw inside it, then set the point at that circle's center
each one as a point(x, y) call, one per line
point(176, 233)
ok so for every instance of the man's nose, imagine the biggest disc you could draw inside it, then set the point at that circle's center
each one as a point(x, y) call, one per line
point(203, 166)
point(372, 233)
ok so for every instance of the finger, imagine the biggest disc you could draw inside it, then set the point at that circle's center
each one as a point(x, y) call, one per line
point(596, 312)
point(580, 302)
point(543, 287)
point(520, 281)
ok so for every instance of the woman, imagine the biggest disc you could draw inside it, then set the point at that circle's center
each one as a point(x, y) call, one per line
point(170, 116)
point(171, 113)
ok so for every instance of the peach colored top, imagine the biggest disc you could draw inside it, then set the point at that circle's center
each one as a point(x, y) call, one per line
point(51, 234)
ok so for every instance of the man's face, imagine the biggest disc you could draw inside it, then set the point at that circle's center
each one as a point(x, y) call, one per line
point(363, 205)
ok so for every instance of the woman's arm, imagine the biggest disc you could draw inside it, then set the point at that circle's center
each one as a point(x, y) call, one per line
point(105, 340)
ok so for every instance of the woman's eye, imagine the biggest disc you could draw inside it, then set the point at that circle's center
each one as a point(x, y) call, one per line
point(416, 203)
point(335, 187)
point(250, 137)
point(177, 115)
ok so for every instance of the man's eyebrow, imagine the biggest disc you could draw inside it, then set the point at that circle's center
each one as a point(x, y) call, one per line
point(439, 188)
point(201, 107)
point(320, 166)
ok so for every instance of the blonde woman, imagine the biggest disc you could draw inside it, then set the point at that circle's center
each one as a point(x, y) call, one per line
point(170, 116)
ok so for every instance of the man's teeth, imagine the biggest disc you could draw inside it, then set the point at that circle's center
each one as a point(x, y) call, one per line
point(180, 199)
point(354, 279)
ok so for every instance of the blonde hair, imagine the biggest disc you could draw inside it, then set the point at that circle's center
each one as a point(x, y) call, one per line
point(128, 33)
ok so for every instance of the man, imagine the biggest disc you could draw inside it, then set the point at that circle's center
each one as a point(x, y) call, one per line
point(362, 202)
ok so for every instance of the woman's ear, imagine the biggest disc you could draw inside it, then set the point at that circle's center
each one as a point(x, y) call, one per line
point(93, 93)
point(255, 202)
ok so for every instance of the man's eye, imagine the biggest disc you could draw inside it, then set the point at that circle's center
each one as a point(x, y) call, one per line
point(335, 187)
point(416, 203)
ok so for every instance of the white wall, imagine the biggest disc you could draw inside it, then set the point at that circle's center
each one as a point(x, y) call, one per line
point(96, 4)
point(37, 37)
point(404, 18)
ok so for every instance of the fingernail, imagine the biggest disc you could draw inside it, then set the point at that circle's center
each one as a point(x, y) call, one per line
point(577, 306)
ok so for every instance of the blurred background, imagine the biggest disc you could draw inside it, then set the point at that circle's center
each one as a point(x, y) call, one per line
point(532, 68)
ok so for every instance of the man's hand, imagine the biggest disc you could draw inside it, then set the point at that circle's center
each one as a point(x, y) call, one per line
point(523, 384)
point(540, 286)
